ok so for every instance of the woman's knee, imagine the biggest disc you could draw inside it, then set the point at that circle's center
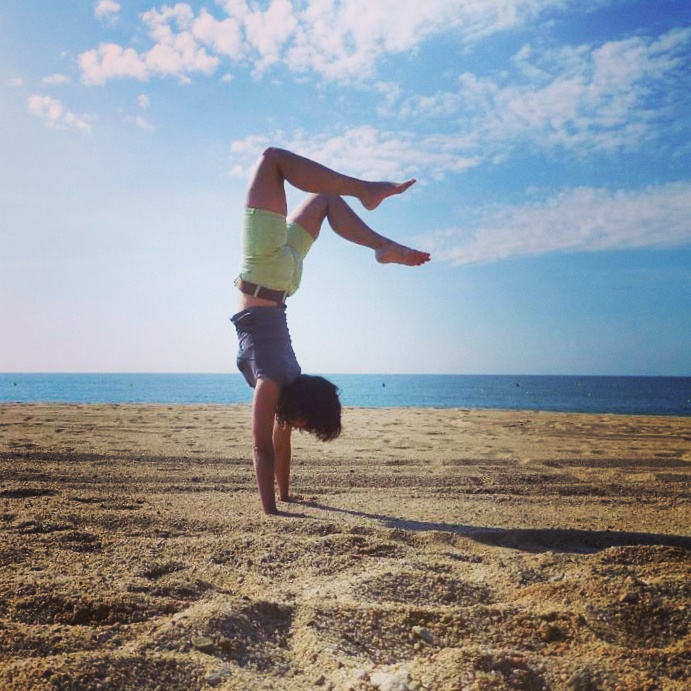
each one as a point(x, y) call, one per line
point(272, 155)
point(312, 213)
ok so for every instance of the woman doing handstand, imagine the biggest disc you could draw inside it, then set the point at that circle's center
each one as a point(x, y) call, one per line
point(274, 247)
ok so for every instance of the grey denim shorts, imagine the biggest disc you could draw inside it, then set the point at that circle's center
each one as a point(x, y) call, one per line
point(265, 348)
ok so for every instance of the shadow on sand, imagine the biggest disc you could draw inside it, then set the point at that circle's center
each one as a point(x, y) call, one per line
point(525, 539)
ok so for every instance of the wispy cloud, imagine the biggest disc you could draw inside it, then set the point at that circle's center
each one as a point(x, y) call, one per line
point(588, 98)
point(56, 79)
point(337, 39)
point(617, 96)
point(347, 40)
point(584, 98)
point(106, 9)
point(55, 114)
point(577, 220)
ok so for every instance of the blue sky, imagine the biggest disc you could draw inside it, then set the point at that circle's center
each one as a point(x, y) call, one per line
point(550, 140)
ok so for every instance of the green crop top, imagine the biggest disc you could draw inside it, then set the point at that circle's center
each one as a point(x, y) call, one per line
point(273, 250)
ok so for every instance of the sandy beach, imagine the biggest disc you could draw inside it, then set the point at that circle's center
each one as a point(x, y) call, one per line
point(426, 549)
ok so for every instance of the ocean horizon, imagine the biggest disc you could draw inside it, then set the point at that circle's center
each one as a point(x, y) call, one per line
point(629, 395)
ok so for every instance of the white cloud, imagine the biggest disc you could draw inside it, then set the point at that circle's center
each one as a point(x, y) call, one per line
point(582, 99)
point(143, 124)
point(223, 36)
point(576, 220)
point(175, 53)
point(55, 114)
point(579, 98)
point(144, 101)
point(235, 8)
point(179, 57)
point(269, 31)
point(111, 61)
point(338, 39)
point(56, 79)
point(176, 57)
point(106, 9)
point(345, 40)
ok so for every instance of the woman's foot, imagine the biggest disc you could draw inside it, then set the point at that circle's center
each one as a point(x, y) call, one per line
point(393, 253)
point(377, 192)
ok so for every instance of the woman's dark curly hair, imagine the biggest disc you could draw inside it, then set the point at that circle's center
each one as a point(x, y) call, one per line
point(314, 401)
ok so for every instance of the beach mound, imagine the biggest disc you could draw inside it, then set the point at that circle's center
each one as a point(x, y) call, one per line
point(425, 549)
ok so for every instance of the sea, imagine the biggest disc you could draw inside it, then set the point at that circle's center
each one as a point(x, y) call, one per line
point(576, 394)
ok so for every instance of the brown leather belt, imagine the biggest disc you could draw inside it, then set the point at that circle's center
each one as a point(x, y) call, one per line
point(258, 291)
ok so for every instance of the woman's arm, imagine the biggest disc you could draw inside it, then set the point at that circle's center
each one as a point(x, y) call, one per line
point(266, 394)
point(282, 457)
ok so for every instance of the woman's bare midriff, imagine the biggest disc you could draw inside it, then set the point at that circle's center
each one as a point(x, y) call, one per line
point(246, 301)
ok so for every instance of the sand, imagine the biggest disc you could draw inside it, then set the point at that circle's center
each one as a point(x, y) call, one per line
point(427, 549)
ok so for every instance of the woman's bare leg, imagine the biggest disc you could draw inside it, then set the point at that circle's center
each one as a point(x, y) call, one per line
point(346, 223)
point(277, 166)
